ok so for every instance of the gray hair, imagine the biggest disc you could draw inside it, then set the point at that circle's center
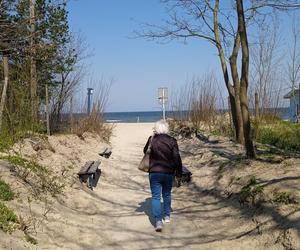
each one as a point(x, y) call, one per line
point(161, 127)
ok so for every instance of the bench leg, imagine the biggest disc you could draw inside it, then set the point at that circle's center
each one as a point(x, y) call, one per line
point(90, 182)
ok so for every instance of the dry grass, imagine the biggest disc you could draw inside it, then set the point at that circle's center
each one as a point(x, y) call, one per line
point(93, 123)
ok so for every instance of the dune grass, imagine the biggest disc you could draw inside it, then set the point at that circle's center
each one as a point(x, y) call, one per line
point(6, 194)
point(7, 215)
point(7, 218)
point(281, 134)
point(41, 178)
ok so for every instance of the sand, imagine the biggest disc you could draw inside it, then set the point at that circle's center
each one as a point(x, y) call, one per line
point(117, 213)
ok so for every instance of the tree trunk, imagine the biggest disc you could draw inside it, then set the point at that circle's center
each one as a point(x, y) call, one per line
point(236, 86)
point(4, 90)
point(47, 109)
point(234, 116)
point(257, 118)
point(71, 114)
point(33, 73)
point(235, 108)
point(244, 80)
point(246, 122)
point(232, 129)
point(239, 118)
point(60, 104)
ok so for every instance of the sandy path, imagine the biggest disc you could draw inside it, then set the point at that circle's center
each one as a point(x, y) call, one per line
point(126, 191)
point(199, 221)
point(117, 213)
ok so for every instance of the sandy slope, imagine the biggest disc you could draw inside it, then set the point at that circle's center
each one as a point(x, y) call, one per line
point(117, 214)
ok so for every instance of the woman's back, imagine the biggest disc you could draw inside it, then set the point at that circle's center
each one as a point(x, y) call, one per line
point(164, 156)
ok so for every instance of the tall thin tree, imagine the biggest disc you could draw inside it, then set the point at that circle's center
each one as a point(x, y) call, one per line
point(33, 71)
point(4, 90)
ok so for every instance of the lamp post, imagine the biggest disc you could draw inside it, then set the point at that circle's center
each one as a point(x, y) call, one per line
point(163, 99)
point(89, 93)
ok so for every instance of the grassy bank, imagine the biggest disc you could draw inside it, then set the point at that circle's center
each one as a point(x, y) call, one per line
point(276, 132)
point(41, 179)
point(7, 216)
point(282, 134)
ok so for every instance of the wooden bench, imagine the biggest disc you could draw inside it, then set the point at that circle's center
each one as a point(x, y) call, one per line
point(105, 153)
point(90, 173)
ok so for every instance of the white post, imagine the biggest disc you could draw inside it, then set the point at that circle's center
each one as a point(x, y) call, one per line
point(89, 93)
point(163, 98)
point(163, 104)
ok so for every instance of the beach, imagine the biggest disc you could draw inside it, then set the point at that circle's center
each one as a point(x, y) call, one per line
point(116, 214)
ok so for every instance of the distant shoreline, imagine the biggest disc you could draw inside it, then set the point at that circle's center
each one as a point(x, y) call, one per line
point(152, 116)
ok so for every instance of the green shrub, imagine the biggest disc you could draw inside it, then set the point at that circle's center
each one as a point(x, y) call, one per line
point(182, 128)
point(30, 239)
point(6, 140)
point(7, 218)
point(19, 161)
point(17, 130)
point(283, 197)
point(251, 192)
point(282, 134)
point(5, 191)
point(42, 179)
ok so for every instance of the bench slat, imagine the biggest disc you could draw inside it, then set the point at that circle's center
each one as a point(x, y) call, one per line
point(85, 168)
point(106, 153)
point(94, 167)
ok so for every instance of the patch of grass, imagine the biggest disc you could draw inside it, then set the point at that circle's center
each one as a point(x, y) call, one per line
point(6, 140)
point(6, 194)
point(30, 239)
point(11, 133)
point(8, 219)
point(39, 177)
point(222, 165)
point(182, 128)
point(26, 164)
point(251, 192)
point(270, 158)
point(222, 130)
point(281, 134)
point(283, 197)
point(94, 123)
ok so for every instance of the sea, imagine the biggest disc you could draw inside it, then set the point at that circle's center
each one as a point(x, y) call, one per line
point(142, 116)
point(153, 116)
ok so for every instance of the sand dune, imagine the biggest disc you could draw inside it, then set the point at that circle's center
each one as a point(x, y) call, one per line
point(117, 213)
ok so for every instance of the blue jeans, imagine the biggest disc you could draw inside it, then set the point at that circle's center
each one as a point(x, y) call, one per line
point(161, 183)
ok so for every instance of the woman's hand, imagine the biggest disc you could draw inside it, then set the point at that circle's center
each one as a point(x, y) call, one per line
point(178, 181)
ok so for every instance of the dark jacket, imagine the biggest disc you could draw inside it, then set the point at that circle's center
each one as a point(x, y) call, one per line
point(164, 156)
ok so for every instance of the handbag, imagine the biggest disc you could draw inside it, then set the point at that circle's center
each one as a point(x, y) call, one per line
point(145, 162)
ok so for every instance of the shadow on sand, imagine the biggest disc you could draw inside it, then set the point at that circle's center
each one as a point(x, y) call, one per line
point(146, 207)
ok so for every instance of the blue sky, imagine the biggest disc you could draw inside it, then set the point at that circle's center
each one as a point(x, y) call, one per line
point(138, 67)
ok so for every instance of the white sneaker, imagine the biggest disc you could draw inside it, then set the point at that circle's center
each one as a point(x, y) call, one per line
point(167, 219)
point(158, 226)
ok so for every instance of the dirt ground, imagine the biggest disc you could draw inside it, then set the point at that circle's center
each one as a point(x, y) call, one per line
point(208, 213)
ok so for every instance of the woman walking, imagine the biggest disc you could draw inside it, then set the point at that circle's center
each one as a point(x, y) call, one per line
point(165, 161)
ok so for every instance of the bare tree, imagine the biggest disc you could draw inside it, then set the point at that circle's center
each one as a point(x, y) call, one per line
point(224, 28)
point(202, 100)
point(244, 83)
point(95, 122)
point(205, 20)
point(179, 102)
point(69, 78)
point(266, 68)
point(293, 66)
